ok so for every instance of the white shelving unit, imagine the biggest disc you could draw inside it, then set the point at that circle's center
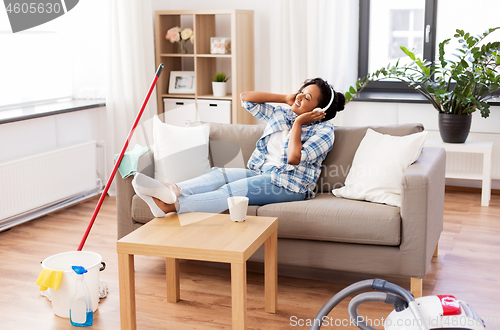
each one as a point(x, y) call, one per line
point(204, 64)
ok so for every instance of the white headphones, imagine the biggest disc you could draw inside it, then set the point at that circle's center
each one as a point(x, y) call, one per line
point(329, 104)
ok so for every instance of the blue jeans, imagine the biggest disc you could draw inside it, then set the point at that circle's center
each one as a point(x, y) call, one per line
point(209, 192)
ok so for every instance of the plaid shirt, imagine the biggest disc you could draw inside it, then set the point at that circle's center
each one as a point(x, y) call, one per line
point(317, 139)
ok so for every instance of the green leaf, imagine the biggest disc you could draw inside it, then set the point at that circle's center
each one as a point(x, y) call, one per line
point(408, 53)
point(485, 109)
point(352, 90)
point(441, 49)
point(220, 77)
point(348, 96)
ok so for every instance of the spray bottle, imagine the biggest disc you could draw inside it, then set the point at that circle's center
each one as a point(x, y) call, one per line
point(81, 313)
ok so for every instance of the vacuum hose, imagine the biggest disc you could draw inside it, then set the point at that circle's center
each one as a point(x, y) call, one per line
point(395, 295)
point(386, 297)
point(335, 300)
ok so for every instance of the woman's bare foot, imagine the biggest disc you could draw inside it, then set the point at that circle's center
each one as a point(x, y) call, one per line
point(167, 208)
point(154, 188)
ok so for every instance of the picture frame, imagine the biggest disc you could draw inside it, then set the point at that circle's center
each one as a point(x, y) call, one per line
point(220, 45)
point(182, 82)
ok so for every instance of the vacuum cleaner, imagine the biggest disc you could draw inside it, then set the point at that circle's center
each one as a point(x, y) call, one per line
point(425, 313)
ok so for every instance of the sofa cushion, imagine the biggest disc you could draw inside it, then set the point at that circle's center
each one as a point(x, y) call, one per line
point(142, 214)
point(329, 218)
point(338, 162)
point(140, 210)
point(176, 146)
point(231, 145)
point(379, 165)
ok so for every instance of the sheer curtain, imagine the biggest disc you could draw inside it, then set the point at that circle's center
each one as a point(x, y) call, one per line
point(314, 38)
point(130, 71)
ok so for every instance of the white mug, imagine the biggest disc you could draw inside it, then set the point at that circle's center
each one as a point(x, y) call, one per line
point(238, 208)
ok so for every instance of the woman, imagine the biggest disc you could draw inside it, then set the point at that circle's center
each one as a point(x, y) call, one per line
point(284, 167)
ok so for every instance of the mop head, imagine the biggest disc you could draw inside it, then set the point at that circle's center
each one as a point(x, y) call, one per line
point(46, 294)
point(103, 289)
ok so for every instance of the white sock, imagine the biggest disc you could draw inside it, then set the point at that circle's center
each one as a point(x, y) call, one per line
point(154, 188)
point(157, 212)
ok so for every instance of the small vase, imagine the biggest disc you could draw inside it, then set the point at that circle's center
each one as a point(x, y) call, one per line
point(182, 48)
point(219, 89)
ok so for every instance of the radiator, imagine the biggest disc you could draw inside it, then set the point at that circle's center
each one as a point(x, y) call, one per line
point(473, 163)
point(33, 185)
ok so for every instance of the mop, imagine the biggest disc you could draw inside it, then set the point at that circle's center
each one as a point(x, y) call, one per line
point(52, 278)
point(117, 163)
point(103, 287)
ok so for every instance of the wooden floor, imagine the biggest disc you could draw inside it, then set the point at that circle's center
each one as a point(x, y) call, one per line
point(468, 266)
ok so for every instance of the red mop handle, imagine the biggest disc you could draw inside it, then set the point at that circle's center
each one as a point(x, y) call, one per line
point(117, 164)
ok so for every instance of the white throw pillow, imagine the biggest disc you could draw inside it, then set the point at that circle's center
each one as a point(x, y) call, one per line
point(378, 167)
point(180, 153)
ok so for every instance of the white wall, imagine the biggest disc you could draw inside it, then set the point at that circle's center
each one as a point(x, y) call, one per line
point(389, 113)
point(385, 113)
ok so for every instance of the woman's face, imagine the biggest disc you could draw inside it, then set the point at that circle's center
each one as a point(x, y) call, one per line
point(307, 100)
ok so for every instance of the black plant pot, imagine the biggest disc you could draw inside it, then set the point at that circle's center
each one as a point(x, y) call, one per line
point(454, 128)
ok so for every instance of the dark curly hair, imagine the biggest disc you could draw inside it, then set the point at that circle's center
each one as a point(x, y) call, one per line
point(326, 89)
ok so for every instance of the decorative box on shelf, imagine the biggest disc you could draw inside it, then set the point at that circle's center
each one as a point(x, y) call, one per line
point(220, 45)
point(214, 111)
point(179, 112)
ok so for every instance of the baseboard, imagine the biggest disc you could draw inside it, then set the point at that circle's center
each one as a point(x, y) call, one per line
point(316, 274)
point(326, 275)
point(470, 190)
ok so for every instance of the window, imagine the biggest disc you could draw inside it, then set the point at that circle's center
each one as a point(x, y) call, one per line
point(63, 58)
point(385, 25)
point(406, 29)
point(394, 24)
point(421, 25)
point(460, 14)
point(35, 64)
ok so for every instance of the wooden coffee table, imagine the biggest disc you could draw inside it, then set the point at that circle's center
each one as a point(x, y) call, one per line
point(200, 236)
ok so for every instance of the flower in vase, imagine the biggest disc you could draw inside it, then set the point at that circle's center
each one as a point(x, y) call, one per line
point(173, 34)
point(186, 34)
point(176, 34)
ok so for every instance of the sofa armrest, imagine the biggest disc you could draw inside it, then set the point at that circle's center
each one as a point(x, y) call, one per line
point(125, 192)
point(422, 205)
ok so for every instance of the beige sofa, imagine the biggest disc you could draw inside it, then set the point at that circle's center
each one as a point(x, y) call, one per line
point(327, 232)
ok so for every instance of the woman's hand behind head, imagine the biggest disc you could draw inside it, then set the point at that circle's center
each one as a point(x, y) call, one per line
point(290, 99)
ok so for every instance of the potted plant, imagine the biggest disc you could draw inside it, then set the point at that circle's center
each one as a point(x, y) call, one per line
point(219, 84)
point(455, 87)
